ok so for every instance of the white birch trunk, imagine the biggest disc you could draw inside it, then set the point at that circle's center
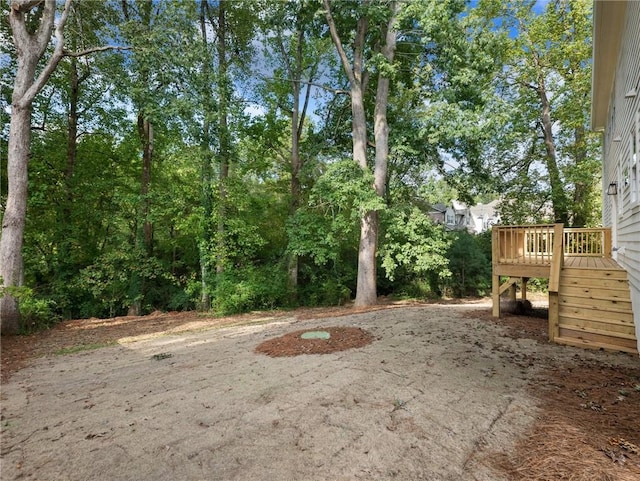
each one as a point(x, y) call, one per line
point(30, 48)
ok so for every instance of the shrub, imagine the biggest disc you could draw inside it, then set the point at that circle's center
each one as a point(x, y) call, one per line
point(36, 313)
point(250, 288)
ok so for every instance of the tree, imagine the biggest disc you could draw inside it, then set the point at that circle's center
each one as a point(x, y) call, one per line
point(550, 164)
point(30, 47)
point(294, 45)
point(226, 31)
point(354, 67)
point(155, 31)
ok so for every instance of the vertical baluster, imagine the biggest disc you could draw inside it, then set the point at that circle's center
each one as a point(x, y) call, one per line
point(511, 243)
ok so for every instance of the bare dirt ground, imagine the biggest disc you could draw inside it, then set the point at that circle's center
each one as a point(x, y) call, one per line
point(403, 391)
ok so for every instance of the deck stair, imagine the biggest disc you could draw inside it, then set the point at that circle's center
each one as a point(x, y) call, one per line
point(594, 306)
point(589, 296)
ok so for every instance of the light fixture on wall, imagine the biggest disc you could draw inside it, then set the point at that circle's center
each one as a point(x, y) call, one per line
point(617, 138)
point(630, 94)
point(612, 189)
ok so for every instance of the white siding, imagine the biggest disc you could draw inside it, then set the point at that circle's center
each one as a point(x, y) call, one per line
point(622, 212)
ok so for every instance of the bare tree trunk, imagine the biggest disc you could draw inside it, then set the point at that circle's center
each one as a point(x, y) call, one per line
point(366, 293)
point(13, 221)
point(582, 189)
point(145, 130)
point(366, 290)
point(30, 47)
point(558, 197)
point(225, 140)
point(206, 176)
point(298, 114)
point(72, 139)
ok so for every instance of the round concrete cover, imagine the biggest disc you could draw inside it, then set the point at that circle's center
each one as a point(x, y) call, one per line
point(315, 335)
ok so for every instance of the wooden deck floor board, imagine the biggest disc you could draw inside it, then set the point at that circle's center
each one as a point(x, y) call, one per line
point(578, 262)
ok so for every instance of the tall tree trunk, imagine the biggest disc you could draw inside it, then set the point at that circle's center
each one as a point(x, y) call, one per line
point(72, 139)
point(65, 221)
point(145, 131)
point(206, 175)
point(225, 139)
point(298, 115)
point(30, 47)
point(13, 222)
point(367, 292)
point(144, 233)
point(581, 189)
point(558, 197)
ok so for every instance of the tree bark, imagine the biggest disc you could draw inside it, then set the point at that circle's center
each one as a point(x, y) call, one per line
point(30, 48)
point(72, 138)
point(558, 197)
point(225, 139)
point(298, 114)
point(367, 292)
point(206, 176)
point(145, 130)
point(581, 189)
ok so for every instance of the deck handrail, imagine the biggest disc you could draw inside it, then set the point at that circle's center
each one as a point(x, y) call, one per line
point(529, 244)
point(534, 244)
point(587, 242)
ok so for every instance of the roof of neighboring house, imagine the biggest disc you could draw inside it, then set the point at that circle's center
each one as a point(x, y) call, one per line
point(608, 23)
point(439, 208)
point(458, 206)
point(482, 209)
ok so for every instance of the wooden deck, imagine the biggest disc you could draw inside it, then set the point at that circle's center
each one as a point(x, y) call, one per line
point(595, 263)
point(589, 296)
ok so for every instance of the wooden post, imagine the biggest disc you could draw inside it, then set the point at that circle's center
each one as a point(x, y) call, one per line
point(607, 247)
point(523, 291)
point(554, 321)
point(554, 281)
point(512, 292)
point(495, 295)
point(495, 279)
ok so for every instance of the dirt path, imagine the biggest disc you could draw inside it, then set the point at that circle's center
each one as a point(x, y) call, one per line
point(440, 394)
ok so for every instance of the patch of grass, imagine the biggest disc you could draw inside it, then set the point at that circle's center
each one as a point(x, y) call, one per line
point(82, 347)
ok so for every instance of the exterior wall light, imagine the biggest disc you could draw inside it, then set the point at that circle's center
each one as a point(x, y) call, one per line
point(630, 94)
point(612, 189)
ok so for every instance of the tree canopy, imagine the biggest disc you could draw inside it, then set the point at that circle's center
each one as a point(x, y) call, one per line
point(247, 154)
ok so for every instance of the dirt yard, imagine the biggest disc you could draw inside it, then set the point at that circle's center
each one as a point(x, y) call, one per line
point(403, 391)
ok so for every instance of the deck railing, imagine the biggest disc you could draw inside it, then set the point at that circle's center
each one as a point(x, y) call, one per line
point(533, 244)
point(587, 242)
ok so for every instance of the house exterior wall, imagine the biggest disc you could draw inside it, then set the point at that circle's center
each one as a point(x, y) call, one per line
point(621, 133)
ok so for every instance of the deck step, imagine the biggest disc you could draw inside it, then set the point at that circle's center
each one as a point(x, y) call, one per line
point(624, 332)
point(594, 282)
point(602, 273)
point(597, 309)
point(594, 309)
point(568, 341)
point(594, 293)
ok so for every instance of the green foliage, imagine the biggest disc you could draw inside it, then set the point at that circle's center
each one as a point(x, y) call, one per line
point(463, 124)
point(337, 202)
point(251, 288)
point(327, 290)
point(114, 282)
point(470, 267)
point(36, 313)
point(413, 246)
point(548, 57)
